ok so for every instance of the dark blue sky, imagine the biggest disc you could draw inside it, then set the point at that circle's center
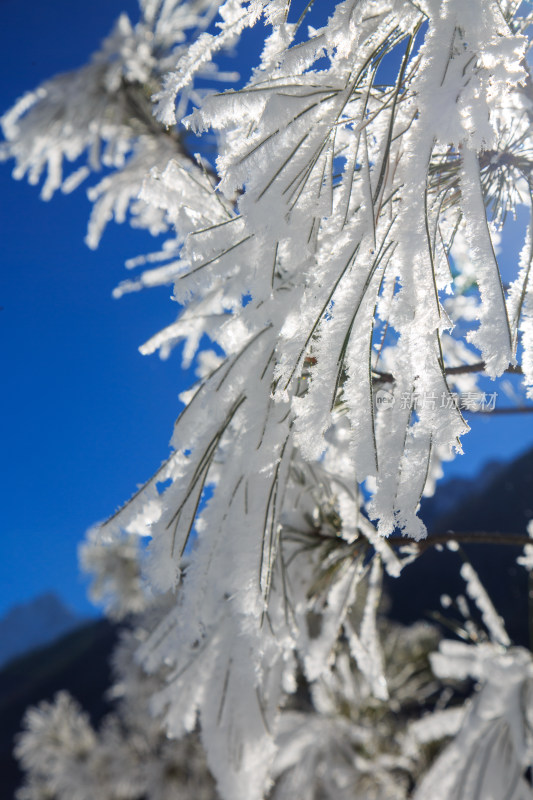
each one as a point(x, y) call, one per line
point(85, 417)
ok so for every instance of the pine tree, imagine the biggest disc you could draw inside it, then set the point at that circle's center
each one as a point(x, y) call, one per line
point(341, 257)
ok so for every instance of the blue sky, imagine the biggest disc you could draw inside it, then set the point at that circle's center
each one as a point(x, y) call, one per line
point(85, 417)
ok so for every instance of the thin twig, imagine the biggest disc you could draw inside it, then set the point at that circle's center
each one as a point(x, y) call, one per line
point(463, 369)
point(470, 537)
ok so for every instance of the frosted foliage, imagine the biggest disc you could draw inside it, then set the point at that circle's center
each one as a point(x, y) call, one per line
point(101, 113)
point(349, 197)
point(349, 739)
point(117, 580)
point(232, 665)
point(353, 744)
point(526, 559)
point(338, 273)
point(493, 622)
point(128, 758)
point(490, 754)
point(342, 260)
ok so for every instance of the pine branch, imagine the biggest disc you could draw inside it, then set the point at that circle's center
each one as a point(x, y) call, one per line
point(463, 369)
point(469, 537)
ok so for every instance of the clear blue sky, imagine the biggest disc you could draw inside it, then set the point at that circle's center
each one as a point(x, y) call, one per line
point(85, 417)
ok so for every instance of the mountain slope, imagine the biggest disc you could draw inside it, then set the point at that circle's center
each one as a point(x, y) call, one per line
point(78, 663)
point(502, 504)
point(33, 624)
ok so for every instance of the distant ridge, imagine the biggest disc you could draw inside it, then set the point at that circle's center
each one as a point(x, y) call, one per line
point(498, 500)
point(77, 662)
point(34, 624)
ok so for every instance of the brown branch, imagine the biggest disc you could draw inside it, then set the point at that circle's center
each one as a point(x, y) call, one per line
point(507, 410)
point(463, 369)
point(433, 540)
point(470, 537)
point(478, 367)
